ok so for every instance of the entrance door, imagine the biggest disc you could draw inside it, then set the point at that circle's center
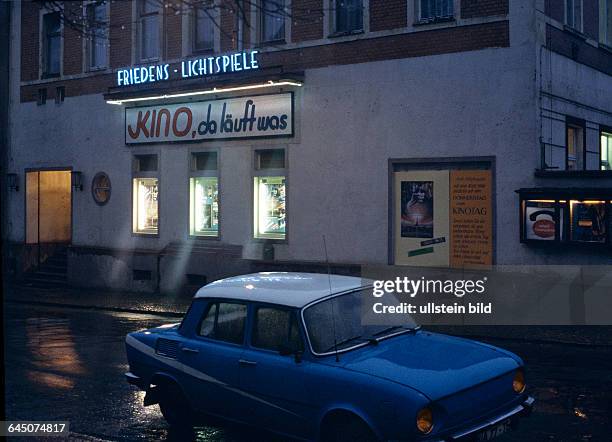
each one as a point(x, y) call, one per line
point(48, 207)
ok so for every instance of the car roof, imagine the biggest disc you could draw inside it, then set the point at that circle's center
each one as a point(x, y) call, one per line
point(284, 288)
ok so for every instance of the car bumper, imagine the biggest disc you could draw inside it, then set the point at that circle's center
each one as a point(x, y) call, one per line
point(511, 416)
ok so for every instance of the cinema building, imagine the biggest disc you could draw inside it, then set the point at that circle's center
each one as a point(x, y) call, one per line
point(154, 146)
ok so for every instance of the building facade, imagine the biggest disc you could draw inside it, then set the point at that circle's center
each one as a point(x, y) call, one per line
point(171, 143)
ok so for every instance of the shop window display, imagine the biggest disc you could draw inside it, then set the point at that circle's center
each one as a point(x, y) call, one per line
point(146, 205)
point(204, 195)
point(270, 210)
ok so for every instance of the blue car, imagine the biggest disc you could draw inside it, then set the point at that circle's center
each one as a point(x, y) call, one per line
point(288, 352)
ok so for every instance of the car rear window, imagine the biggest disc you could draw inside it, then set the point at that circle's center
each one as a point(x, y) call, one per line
point(224, 321)
point(274, 328)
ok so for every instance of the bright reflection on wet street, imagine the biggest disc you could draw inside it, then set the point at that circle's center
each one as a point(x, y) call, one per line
point(69, 364)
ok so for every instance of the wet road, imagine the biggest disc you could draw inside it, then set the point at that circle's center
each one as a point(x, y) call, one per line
point(68, 364)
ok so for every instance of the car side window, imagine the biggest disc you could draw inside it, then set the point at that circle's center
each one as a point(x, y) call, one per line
point(274, 328)
point(224, 321)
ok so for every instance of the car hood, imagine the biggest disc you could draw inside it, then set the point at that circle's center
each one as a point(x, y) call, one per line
point(436, 365)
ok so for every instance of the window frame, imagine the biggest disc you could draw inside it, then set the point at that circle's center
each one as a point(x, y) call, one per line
point(216, 301)
point(294, 316)
point(604, 130)
point(88, 41)
point(261, 29)
point(257, 173)
point(208, 173)
point(139, 14)
point(193, 19)
point(566, 17)
point(580, 124)
point(44, 45)
point(605, 26)
point(335, 32)
point(137, 174)
point(433, 19)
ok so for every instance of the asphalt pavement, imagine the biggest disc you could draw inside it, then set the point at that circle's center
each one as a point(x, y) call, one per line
point(67, 363)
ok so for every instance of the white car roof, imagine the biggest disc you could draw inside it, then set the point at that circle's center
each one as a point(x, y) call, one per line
point(284, 288)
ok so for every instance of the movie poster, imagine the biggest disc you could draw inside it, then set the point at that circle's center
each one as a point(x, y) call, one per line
point(588, 221)
point(417, 202)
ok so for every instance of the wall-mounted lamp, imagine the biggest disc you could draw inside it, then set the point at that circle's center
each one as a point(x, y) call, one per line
point(77, 180)
point(12, 181)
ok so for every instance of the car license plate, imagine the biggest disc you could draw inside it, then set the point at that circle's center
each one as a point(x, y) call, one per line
point(494, 431)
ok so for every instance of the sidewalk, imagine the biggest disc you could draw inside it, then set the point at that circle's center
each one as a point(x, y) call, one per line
point(156, 304)
point(177, 305)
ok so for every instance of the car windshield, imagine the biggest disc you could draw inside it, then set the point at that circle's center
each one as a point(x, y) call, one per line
point(337, 323)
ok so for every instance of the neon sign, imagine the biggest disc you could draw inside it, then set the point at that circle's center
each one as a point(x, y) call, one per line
point(199, 67)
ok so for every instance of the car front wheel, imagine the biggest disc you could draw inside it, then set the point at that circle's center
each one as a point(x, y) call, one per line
point(347, 429)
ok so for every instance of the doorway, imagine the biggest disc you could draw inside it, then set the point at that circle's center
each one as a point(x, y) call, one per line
point(48, 207)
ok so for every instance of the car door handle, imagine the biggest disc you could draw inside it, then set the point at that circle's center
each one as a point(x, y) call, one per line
point(247, 363)
point(189, 350)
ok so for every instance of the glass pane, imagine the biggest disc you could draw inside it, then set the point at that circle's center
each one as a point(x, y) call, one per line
point(587, 221)
point(273, 20)
point(608, 22)
point(146, 216)
point(572, 135)
point(208, 323)
point(230, 323)
point(270, 207)
point(53, 55)
point(349, 15)
point(205, 161)
point(606, 151)
point(432, 9)
point(98, 38)
point(204, 32)
point(271, 159)
point(150, 36)
point(271, 328)
point(149, 6)
point(205, 206)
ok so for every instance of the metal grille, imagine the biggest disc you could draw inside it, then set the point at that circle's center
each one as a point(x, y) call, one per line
point(167, 348)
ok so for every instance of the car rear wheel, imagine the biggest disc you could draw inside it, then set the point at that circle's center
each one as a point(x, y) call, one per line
point(347, 428)
point(174, 406)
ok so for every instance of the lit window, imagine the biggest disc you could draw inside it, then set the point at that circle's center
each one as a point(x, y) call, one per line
point(270, 220)
point(432, 10)
point(145, 194)
point(204, 194)
point(148, 15)
point(98, 35)
point(575, 146)
point(349, 16)
point(52, 49)
point(146, 205)
point(204, 27)
point(272, 13)
point(606, 150)
point(573, 14)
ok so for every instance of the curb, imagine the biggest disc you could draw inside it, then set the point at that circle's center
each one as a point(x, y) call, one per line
point(95, 307)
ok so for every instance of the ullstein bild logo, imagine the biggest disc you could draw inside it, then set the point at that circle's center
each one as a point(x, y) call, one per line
point(245, 117)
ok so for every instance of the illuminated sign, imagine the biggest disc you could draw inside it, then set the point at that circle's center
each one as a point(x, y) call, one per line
point(198, 67)
point(243, 117)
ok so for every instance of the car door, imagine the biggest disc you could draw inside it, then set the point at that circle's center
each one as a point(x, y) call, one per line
point(210, 358)
point(277, 384)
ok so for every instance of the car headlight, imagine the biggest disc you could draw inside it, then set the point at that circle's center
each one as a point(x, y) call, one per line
point(424, 420)
point(518, 383)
